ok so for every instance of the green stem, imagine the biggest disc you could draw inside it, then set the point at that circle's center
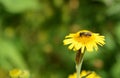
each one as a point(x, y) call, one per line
point(79, 60)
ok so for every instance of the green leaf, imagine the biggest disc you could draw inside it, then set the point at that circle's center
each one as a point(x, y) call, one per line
point(17, 6)
point(117, 32)
point(110, 43)
point(114, 9)
point(10, 56)
point(115, 70)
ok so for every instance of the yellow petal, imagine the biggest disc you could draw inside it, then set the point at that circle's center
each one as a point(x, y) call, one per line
point(95, 46)
point(71, 46)
point(70, 35)
point(67, 41)
point(78, 46)
point(89, 47)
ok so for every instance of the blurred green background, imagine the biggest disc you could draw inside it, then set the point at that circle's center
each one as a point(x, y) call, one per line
point(32, 31)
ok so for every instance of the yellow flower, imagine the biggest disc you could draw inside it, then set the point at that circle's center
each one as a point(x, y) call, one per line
point(84, 39)
point(85, 74)
point(17, 73)
point(25, 74)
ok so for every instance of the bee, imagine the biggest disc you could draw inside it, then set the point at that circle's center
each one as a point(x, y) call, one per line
point(87, 34)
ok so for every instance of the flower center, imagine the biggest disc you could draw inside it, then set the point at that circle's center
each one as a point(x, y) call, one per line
point(84, 37)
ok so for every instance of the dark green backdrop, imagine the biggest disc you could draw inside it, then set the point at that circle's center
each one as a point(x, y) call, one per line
point(32, 33)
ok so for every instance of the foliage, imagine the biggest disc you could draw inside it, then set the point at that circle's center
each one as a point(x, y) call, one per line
point(32, 31)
